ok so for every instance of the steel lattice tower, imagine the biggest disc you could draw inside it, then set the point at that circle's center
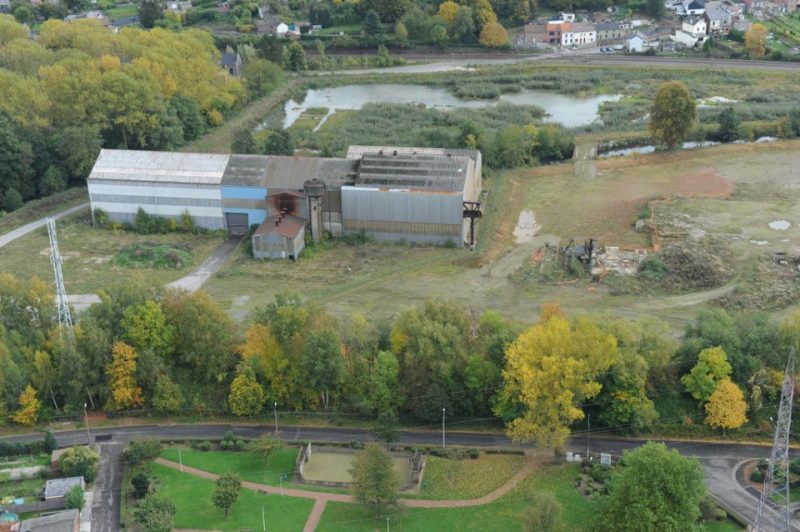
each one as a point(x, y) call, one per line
point(773, 508)
point(64, 317)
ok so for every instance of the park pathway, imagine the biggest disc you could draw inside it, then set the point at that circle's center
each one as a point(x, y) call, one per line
point(321, 498)
point(7, 238)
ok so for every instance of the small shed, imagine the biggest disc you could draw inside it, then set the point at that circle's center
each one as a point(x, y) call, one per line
point(59, 487)
point(67, 521)
point(232, 62)
point(280, 237)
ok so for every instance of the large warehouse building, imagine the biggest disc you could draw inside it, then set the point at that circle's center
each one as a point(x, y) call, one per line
point(422, 195)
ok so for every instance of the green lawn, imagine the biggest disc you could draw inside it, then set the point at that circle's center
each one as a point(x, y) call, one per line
point(192, 497)
point(89, 255)
point(25, 461)
point(115, 13)
point(247, 466)
point(35, 209)
point(20, 488)
point(467, 479)
point(502, 515)
point(579, 513)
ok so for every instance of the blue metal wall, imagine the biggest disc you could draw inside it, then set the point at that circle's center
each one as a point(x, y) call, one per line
point(253, 197)
point(248, 193)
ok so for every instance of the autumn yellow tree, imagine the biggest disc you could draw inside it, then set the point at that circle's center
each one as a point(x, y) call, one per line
point(726, 407)
point(493, 35)
point(262, 352)
point(29, 405)
point(755, 40)
point(550, 369)
point(712, 368)
point(447, 11)
point(247, 395)
point(121, 372)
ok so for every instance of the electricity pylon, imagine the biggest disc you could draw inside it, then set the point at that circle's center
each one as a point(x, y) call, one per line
point(773, 508)
point(64, 317)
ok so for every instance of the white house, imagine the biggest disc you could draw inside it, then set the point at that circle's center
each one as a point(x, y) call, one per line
point(695, 25)
point(638, 42)
point(692, 8)
point(568, 17)
point(578, 34)
point(281, 29)
point(689, 40)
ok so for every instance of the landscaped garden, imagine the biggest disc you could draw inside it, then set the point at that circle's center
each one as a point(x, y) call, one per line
point(447, 478)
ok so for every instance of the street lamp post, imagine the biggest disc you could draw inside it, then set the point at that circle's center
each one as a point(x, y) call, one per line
point(443, 413)
point(86, 418)
point(275, 411)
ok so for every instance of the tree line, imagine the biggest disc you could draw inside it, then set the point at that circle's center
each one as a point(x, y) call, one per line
point(78, 87)
point(173, 352)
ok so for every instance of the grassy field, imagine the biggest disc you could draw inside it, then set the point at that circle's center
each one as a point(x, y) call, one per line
point(579, 513)
point(35, 209)
point(27, 488)
point(244, 464)
point(88, 254)
point(504, 514)
point(467, 479)
point(730, 193)
point(192, 497)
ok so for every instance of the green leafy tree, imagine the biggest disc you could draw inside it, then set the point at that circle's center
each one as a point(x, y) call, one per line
point(150, 12)
point(191, 115)
point(279, 142)
point(543, 513)
point(388, 10)
point(167, 397)
point(79, 461)
point(400, 34)
point(155, 513)
point(50, 442)
point(141, 485)
point(74, 498)
point(247, 395)
point(372, 24)
point(145, 327)
point(463, 27)
point(12, 200)
point(78, 147)
point(672, 114)
point(139, 452)
point(264, 446)
point(712, 367)
point(243, 141)
point(375, 485)
point(262, 76)
point(655, 489)
point(439, 36)
point(322, 363)
point(728, 121)
point(655, 8)
point(383, 390)
point(226, 492)
point(296, 59)
point(52, 181)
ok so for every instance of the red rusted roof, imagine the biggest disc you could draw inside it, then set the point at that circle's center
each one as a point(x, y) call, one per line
point(289, 226)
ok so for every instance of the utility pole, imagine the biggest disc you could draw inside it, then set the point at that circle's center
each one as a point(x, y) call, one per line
point(180, 459)
point(773, 513)
point(387, 524)
point(443, 413)
point(263, 519)
point(275, 411)
point(588, 433)
point(86, 418)
point(64, 317)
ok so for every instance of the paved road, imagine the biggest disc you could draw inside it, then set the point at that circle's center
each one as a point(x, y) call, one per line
point(718, 459)
point(107, 488)
point(445, 62)
point(196, 278)
point(27, 228)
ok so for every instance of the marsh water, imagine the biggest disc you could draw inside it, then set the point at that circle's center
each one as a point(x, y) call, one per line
point(568, 110)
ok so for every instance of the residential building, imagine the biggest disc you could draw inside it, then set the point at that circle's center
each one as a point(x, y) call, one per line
point(66, 521)
point(554, 29)
point(637, 42)
point(694, 25)
point(90, 15)
point(609, 32)
point(532, 35)
point(4, 6)
point(579, 34)
point(691, 8)
point(567, 17)
point(232, 62)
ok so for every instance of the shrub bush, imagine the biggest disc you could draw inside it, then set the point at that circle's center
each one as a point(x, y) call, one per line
point(757, 475)
point(141, 485)
point(79, 462)
point(473, 453)
point(74, 498)
point(204, 446)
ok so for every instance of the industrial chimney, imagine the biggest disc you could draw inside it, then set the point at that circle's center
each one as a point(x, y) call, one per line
point(314, 189)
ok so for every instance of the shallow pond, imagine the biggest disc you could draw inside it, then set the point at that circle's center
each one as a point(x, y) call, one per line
point(571, 111)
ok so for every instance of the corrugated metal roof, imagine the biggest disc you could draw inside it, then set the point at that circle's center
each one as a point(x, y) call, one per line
point(59, 487)
point(358, 151)
point(290, 226)
point(246, 170)
point(55, 522)
point(160, 166)
point(413, 171)
point(289, 173)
